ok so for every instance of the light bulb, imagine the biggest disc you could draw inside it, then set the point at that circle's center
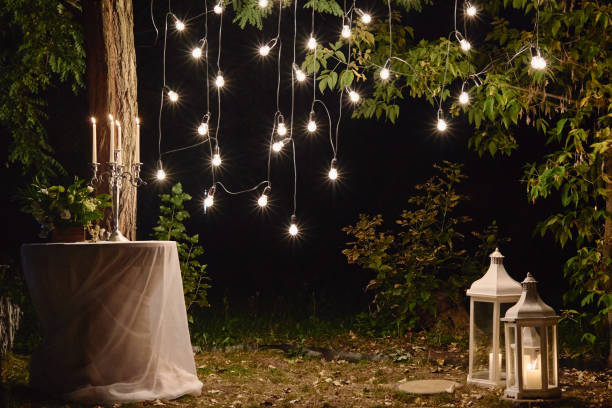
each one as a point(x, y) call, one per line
point(465, 44)
point(346, 31)
point(293, 230)
point(441, 125)
point(333, 173)
point(203, 128)
point(464, 98)
point(312, 126)
point(264, 50)
point(312, 43)
point(263, 3)
point(262, 201)
point(471, 10)
point(179, 25)
point(196, 52)
point(218, 9)
point(384, 74)
point(537, 62)
point(354, 96)
point(219, 81)
point(173, 96)
point(161, 174)
point(300, 75)
point(278, 146)
point(366, 18)
point(209, 201)
point(216, 161)
point(282, 129)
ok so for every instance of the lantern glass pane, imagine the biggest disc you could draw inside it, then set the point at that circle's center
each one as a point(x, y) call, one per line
point(511, 380)
point(532, 357)
point(503, 308)
point(483, 341)
point(552, 356)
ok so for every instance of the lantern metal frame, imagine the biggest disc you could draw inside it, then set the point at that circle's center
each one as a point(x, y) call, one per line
point(497, 288)
point(522, 323)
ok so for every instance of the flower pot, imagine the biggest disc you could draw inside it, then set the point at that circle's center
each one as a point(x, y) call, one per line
point(71, 233)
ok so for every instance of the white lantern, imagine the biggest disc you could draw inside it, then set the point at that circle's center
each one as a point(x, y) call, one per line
point(532, 371)
point(490, 296)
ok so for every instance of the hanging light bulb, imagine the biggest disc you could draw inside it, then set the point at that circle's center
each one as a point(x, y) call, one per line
point(216, 161)
point(262, 201)
point(312, 43)
point(366, 18)
point(312, 126)
point(464, 98)
point(219, 80)
point(173, 96)
point(263, 3)
point(300, 75)
point(203, 128)
point(282, 129)
point(161, 174)
point(441, 125)
point(470, 9)
point(196, 52)
point(537, 61)
point(354, 96)
point(385, 73)
point(179, 25)
point(264, 50)
point(293, 228)
point(209, 201)
point(346, 31)
point(465, 45)
point(278, 146)
point(218, 9)
point(333, 172)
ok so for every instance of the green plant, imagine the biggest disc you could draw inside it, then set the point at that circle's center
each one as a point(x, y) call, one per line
point(421, 263)
point(53, 206)
point(171, 227)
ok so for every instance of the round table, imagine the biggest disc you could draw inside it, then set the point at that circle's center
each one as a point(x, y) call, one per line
point(114, 321)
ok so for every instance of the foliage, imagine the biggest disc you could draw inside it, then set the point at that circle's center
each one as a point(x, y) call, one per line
point(75, 204)
point(42, 45)
point(423, 258)
point(171, 227)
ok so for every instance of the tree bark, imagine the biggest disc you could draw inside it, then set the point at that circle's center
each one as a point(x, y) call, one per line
point(607, 246)
point(111, 84)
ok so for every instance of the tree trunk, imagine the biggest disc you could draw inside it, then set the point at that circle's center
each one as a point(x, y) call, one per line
point(607, 247)
point(111, 85)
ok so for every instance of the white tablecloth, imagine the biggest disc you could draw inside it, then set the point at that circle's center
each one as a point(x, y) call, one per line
point(114, 321)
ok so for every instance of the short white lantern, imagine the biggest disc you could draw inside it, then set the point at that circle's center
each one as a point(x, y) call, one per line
point(490, 296)
point(532, 371)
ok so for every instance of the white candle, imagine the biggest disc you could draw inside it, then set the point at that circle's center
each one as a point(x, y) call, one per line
point(499, 363)
point(94, 152)
point(118, 142)
point(112, 140)
point(137, 159)
point(532, 377)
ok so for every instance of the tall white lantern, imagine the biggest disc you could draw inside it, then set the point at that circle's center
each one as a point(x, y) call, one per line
point(490, 297)
point(532, 371)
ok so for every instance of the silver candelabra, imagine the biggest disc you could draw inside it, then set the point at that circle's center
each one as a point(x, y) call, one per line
point(115, 175)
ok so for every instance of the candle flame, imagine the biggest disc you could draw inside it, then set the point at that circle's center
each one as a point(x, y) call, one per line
point(138, 121)
point(110, 117)
point(118, 124)
point(93, 120)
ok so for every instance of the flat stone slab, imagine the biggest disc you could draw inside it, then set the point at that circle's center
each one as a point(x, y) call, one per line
point(428, 386)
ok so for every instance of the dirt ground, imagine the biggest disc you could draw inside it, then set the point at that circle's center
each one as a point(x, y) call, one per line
point(271, 377)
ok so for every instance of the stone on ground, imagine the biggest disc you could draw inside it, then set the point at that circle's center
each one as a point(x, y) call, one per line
point(428, 386)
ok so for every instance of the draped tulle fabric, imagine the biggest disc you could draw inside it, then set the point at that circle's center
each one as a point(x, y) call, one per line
point(114, 321)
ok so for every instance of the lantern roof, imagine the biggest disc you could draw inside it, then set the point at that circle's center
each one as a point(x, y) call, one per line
point(496, 282)
point(530, 304)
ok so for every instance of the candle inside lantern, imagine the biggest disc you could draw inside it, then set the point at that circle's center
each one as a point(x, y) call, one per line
point(137, 159)
point(532, 374)
point(111, 155)
point(118, 142)
point(94, 152)
point(499, 363)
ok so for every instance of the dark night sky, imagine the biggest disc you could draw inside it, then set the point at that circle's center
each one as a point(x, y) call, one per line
point(249, 251)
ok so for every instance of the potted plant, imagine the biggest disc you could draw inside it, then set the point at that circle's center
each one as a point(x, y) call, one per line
point(64, 211)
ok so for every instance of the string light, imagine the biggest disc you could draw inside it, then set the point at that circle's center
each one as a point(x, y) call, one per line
point(333, 172)
point(264, 50)
point(278, 146)
point(209, 201)
point(293, 228)
point(179, 25)
point(218, 9)
point(354, 96)
point(300, 76)
point(464, 98)
point(262, 201)
point(282, 129)
point(366, 18)
point(161, 174)
point(465, 44)
point(312, 43)
point(216, 161)
point(312, 125)
point(470, 9)
point(173, 96)
point(219, 80)
point(196, 52)
point(537, 61)
point(385, 73)
point(263, 3)
point(441, 125)
point(346, 31)
point(203, 128)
